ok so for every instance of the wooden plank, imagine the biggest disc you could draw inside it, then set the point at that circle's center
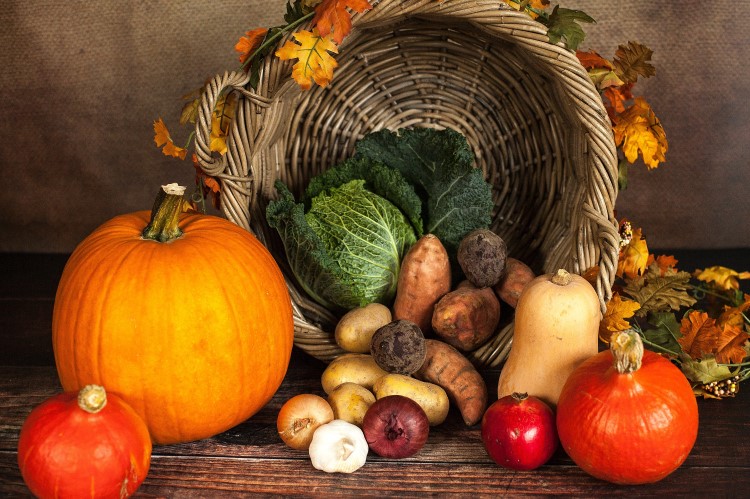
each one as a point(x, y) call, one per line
point(191, 476)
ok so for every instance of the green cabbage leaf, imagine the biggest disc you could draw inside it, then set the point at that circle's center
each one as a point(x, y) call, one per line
point(346, 249)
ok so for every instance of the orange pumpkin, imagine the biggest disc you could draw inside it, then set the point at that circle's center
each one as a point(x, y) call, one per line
point(189, 320)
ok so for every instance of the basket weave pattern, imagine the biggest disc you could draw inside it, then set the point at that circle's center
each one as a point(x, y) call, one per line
point(528, 109)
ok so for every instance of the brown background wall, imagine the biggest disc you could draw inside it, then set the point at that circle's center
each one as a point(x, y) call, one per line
point(82, 82)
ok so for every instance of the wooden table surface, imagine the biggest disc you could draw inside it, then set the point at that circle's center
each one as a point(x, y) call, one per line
point(250, 459)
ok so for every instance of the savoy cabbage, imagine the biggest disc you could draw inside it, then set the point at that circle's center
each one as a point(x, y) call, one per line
point(346, 250)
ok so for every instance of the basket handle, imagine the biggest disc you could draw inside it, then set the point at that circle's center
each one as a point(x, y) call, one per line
point(233, 168)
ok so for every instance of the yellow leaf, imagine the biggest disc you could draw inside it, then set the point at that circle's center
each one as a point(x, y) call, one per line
point(315, 62)
point(162, 138)
point(722, 277)
point(638, 129)
point(614, 320)
point(221, 121)
point(633, 256)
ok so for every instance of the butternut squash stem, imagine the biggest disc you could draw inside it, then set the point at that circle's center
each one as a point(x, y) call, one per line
point(561, 277)
point(92, 398)
point(627, 349)
point(165, 215)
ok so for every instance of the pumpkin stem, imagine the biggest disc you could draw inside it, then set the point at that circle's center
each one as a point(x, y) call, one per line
point(92, 398)
point(165, 215)
point(627, 349)
point(561, 278)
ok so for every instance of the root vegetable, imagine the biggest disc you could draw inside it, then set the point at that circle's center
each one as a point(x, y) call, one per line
point(396, 427)
point(359, 368)
point(338, 447)
point(300, 416)
point(350, 402)
point(425, 276)
point(398, 347)
point(467, 317)
point(431, 398)
point(517, 276)
point(447, 367)
point(481, 255)
point(354, 331)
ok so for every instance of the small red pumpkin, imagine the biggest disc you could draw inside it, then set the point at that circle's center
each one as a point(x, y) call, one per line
point(85, 444)
point(627, 415)
point(189, 319)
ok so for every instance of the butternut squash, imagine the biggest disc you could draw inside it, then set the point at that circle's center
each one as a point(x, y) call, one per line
point(556, 328)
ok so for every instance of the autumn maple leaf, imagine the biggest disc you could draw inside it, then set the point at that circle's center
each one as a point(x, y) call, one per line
point(250, 42)
point(730, 348)
point(700, 334)
point(162, 138)
point(633, 256)
point(722, 277)
point(315, 62)
point(665, 263)
point(638, 129)
point(332, 16)
point(734, 315)
point(617, 97)
point(614, 320)
point(632, 60)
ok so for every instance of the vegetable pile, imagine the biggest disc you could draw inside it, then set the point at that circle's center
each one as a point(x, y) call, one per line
point(396, 238)
point(424, 285)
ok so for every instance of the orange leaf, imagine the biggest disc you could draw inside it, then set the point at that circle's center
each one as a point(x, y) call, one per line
point(664, 262)
point(250, 42)
point(700, 334)
point(315, 63)
point(633, 256)
point(331, 16)
point(592, 60)
point(731, 345)
point(617, 97)
point(536, 4)
point(733, 315)
point(162, 138)
point(638, 129)
point(614, 320)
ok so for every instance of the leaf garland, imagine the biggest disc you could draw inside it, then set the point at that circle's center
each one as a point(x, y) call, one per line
point(699, 320)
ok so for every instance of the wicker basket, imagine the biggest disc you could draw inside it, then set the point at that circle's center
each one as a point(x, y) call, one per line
point(527, 107)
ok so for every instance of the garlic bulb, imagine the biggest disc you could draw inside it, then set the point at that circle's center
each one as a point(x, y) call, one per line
point(338, 447)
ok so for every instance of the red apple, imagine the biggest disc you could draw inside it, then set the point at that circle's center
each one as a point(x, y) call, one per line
point(519, 432)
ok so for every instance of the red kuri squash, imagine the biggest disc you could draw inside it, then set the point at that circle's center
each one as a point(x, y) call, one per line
point(627, 415)
point(85, 444)
point(189, 320)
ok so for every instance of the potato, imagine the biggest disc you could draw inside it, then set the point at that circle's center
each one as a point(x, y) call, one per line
point(350, 402)
point(481, 255)
point(425, 276)
point(398, 347)
point(467, 317)
point(355, 329)
point(430, 397)
point(517, 276)
point(359, 368)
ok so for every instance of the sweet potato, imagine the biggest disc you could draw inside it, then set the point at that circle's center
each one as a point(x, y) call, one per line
point(425, 276)
point(517, 276)
point(448, 368)
point(466, 317)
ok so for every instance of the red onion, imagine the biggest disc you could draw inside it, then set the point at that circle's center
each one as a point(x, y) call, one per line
point(395, 427)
